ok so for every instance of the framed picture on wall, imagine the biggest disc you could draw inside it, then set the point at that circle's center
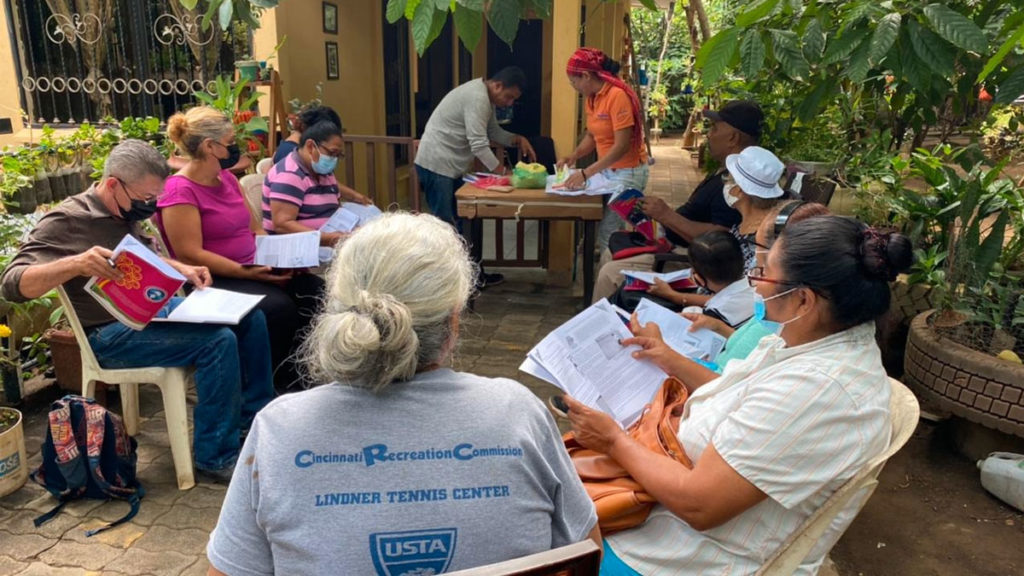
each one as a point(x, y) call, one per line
point(332, 61)
point(330, 18)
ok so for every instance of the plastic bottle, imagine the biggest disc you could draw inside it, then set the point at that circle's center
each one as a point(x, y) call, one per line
point(1002, 474)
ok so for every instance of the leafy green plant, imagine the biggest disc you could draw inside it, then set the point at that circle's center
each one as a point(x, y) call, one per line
point(908, 65)
point(297, 105)
point(17, 172)
point(427, 18)
point(226, 11)
point(235, 99)
point(929, 267)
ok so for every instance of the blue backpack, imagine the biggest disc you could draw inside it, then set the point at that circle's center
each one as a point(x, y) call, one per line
point(87, 454)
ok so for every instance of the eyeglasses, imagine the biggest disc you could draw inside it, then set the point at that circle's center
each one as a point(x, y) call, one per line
point(128, 192)
point(756, 274)
point(332, 153)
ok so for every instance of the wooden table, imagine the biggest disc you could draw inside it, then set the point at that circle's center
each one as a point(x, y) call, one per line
point(475, 204)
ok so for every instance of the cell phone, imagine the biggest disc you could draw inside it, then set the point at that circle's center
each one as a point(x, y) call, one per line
point(559, 406)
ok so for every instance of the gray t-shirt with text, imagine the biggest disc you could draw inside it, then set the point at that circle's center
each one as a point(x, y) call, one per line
point(442, 473)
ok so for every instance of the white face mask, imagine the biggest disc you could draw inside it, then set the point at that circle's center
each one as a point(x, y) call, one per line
point(730, 200)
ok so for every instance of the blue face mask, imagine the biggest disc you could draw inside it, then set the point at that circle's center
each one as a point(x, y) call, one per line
point(326, 164)
point(759, 313)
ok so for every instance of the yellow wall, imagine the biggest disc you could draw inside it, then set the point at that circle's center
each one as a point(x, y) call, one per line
point(565, 26)
point(10, 92)
point(358, 93)
point(605, 28)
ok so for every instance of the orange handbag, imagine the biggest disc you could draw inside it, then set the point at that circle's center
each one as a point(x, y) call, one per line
point(621, 502)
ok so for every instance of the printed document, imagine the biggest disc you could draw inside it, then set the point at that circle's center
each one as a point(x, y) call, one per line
point(213, 306)
point(341, 221)
point(365, 212)
point(700, 344)
point(584, 357)
point(597, 185)
point(147, 282)
point(299, 250)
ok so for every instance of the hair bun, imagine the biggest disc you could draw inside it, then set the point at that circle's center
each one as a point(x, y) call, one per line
point(177, 127)
point(885, 254)
point(610, 66)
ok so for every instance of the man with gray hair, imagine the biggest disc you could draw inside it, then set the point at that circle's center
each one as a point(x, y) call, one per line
point(74, 242)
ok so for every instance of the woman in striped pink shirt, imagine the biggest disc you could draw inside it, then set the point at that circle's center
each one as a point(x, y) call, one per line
point(301, 193)
point(779, 431)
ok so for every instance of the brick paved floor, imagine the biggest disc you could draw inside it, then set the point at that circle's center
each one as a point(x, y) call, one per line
point(169, 535)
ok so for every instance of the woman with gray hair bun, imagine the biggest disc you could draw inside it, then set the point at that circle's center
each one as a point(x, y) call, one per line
point(398, 460)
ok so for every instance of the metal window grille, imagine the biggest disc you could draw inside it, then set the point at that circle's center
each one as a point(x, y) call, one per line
point(86, 60)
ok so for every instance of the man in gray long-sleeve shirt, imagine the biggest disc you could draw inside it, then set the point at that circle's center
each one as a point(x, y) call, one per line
point(462, 128)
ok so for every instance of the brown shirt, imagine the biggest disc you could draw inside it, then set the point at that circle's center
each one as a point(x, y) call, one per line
point(77, 224)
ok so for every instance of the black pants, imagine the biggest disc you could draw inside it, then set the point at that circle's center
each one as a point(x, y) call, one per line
point(289, 310)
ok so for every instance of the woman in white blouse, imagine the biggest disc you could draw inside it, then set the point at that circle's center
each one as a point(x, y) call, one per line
point(779, 431)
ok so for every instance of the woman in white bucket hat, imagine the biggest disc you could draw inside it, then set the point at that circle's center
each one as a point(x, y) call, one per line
point(752, 188)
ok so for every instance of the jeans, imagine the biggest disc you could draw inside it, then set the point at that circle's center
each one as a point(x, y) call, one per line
point(440, 192)
point(635, 178)
point(232, 373)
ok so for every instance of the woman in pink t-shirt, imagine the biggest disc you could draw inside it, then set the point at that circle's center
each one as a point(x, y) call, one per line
point(205, 220)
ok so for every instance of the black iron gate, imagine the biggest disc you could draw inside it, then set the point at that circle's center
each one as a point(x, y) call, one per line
point(81, 60)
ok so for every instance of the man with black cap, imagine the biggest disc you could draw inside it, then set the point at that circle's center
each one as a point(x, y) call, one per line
point(735, 126)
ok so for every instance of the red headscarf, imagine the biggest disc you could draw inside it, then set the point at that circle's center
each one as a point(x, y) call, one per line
point(592, 60)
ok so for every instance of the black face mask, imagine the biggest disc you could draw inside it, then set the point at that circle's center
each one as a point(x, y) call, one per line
point(234, 154)
point(140, 210)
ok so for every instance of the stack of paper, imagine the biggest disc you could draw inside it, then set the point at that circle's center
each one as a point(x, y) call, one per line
point(700, 344)
point(584, 358)
point(350, 216)
point(346, 218)
point(597, 185)
point(298, 250)
point(213, 306)
point(147, 283)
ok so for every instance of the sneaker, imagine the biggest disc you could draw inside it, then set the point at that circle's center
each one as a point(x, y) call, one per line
point(219, 476)
point(485, 280)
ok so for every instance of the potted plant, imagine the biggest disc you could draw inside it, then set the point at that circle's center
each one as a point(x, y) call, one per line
point(17, 184)
point(248, 69)
point(237, 101)
point(13, 470)
point(64, 353)
point(965, 354)
point(657, 109)
point(296, 105)
point(13, 464)
point(9, 368)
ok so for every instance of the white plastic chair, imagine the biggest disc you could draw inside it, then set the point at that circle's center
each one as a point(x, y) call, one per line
point(579, 559)
point(173, 383)
point(264, 166)
point(252, 187)
point(905, 412)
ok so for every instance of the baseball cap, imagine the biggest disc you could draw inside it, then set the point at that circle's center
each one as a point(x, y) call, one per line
point(743, 115)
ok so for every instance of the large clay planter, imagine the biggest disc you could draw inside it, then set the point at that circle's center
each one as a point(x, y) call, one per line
point(67, 360)
point(13, 464)
point(969, 384)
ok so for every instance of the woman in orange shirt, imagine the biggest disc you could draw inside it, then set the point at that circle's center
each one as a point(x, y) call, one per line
point(614, 128)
